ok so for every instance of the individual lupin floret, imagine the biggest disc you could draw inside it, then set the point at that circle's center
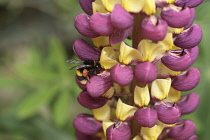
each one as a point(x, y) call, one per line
point(168, 113)
point(192, 18)
point(183, 130)
point(189, 38)
point(188, 3)
point(188, 103)
point(176, 16)
point(145, 72)
point(89, 102)
point(86, 5)
point(186, 80)
point(118, 131)
point(154, 28)
point(121, 74)
point(146, 117)
point(87, 124)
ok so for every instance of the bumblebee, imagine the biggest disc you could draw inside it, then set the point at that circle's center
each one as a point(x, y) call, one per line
point(87, 69)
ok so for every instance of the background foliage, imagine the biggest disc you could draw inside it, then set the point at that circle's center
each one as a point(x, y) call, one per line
point(37, 90)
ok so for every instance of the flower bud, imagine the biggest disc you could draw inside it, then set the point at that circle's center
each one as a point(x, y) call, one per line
point(188, 3)
point(177, 60)
point(98, 85)
point(86, 5)
point(120, 18)
point(146, 117)
point(86, 124)
point(192, 18)
point(145, 72)
point(188, 103)
point(175, 16)
point(189, 38)
point(182, 130)
point(168, 113)
point(154, 28)
point(85, 51)
point(82, 24)
point(121, 74)
point(89, 102)
point(187, 80)
point(101, 24)
point(119, 131)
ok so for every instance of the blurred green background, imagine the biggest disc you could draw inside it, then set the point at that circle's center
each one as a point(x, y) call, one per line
point(37, 90)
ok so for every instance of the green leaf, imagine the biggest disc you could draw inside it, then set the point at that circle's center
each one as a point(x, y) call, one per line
point(31, 104)
point(61, 109)
point(57, 56)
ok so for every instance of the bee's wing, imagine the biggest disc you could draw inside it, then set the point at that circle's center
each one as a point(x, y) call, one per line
point(80, 66)
point(73, 61)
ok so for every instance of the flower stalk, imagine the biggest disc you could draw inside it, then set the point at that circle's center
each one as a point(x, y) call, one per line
point(134, 90)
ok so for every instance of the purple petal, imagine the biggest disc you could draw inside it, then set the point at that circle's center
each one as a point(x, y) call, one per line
point(85, 51)
point(188, 103)
point(101, 24)
point(187, 80)
point(145, 72)
point(193, 53)
point(177, 60)
point(188, 3)
point(120, 35)
point(88, 101)
point(168, 113)
point(86, 5)
point(182, 131)
point(121, 19)
point(146, 117)
point(174, 18)
point(82, 136)
point(189, 38)
point(82, 24)
point(120, 131)
point(87, 124)
point(154, 28)
point(192, 18)
point(98, 85)
point(121, 74)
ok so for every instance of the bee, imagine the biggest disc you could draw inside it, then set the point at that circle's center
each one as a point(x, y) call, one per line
point(86, 69)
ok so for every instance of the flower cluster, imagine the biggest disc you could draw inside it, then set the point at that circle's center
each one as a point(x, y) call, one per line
point(136, 92)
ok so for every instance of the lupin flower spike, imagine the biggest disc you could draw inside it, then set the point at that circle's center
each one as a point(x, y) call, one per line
point(134, 90)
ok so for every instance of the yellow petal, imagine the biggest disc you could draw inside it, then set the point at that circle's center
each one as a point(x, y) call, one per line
point(117, 50)
point(160, 88)
point(127, 54)
point(149, 7)
point(119, 89)
point(163, 71)
point(137, 138)
point(109, 94)
point(150, 51)
point(133, 6)
point(170, 1)
point(151, 133)
point(167, 42)
point(109, 4)
point(98, 7)
point(101, 41)
point(102, 113)
point(106, 124)
point(173, 96)
point(124, 111)
point(107, 58)
point(141, 96)
point(175, 30)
